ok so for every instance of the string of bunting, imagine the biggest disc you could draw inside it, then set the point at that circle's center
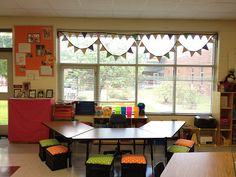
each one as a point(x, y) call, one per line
point(137, 42)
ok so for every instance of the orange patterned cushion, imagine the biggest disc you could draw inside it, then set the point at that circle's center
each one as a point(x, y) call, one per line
point(133, 159)
point(57, 149)
point(184, 142)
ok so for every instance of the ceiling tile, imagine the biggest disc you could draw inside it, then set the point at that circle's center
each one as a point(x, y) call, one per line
point(177, 9)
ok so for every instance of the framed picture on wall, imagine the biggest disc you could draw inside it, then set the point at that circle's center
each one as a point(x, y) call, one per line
point(40, 50)
point(32, 38)
point(17, 93)
point(40, 93)
point(49, 93)
point(32, 93)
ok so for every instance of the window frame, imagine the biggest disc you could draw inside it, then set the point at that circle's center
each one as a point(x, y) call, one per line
point(137, 65)
point(6, 53)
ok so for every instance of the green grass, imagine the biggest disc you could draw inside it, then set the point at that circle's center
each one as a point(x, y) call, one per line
point(3, 112)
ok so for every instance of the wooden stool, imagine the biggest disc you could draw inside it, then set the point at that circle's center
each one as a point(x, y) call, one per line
point(100, 166)
point(133, 165)
point(44, 144)
point(57, 156)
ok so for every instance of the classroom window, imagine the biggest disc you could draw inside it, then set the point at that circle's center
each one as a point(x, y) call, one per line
point(5, 39)
point(164, 71)
point(5, 74)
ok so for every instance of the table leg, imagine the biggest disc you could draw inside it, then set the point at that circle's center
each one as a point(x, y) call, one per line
point(87, 150)
point(134, 146)
point(151, 148)
point(99, 146)
point(69, 144)
point(51, 133)
point(144, 146)
point(165, 143)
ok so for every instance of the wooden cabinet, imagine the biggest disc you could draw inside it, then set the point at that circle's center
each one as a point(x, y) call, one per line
point(206, 136)
point(26, 117)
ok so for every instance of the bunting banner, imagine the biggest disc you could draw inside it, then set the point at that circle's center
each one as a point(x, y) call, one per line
point(138, 42)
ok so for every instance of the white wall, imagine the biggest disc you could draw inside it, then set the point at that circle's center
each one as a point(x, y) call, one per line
point(225, 29)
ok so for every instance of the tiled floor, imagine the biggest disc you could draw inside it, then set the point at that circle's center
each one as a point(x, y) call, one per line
point(26, 157)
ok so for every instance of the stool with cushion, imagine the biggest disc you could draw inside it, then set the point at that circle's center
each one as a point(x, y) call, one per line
point(100, 166)
point(133, 165)
point(186, 143)
point(57, 156)
point(175, 149)
point(44, 144)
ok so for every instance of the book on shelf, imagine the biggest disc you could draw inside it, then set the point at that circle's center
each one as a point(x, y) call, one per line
point(224, 101)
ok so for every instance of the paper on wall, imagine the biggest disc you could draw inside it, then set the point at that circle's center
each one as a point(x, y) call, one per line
point(20, 58)
point(45, 70)
point(32, 74)
point(24, 47)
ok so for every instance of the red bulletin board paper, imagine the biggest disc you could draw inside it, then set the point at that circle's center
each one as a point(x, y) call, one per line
point(39, 39)
point(26, 117)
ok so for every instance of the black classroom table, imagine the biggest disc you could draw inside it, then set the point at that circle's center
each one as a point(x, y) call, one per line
point(150, 131)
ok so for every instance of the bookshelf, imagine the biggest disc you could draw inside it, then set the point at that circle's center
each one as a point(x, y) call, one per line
point(223, 112)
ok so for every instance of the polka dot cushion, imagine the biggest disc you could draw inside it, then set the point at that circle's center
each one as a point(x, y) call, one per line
point(176, 148)
point(133, 159)
point(184, 142)
point(48, 142)
point(59, 149)
point(101, 159)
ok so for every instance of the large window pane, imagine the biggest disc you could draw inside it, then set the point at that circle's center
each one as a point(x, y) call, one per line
point(3, 76)
point(193, 90)
point(155, 88)
point(117, 83)
point(79, 84)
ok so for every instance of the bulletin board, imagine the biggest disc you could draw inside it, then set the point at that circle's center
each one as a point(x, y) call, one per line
point(34, 50)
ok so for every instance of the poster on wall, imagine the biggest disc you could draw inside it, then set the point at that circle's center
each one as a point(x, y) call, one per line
point(34, 50)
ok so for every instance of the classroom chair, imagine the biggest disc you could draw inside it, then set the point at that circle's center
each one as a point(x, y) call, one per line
point(118, 121)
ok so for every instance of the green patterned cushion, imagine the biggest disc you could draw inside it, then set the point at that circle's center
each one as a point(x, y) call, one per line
point(100, 160)
point(49, 142)
point(176, 148)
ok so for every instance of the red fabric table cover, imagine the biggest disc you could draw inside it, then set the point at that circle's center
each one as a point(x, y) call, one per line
point(26, 117)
